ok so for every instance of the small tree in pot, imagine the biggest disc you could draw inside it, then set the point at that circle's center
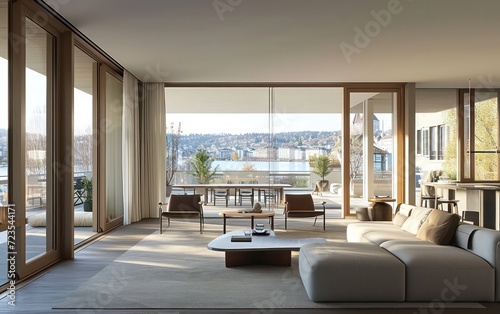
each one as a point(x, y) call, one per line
point(201, 166)
point(321, 165)
point(87, 187)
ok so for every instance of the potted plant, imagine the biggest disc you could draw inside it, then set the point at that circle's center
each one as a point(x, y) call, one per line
point(87, 188)
point(321, 166)
point(201, 166)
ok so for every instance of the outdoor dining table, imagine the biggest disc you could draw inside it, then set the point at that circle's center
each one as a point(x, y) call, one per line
point(279, 187)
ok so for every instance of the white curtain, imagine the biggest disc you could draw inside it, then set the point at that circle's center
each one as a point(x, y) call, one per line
point(153, 149)
point(130, 149)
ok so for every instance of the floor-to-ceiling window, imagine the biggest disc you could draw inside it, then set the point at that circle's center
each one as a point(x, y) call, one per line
point(112, 211)
point(297, 127)
point(230, 124)
point(372, 145)
point(306, 128)
point(85, 73)
point(479, 122)
point(436, 137)
point(39, 93)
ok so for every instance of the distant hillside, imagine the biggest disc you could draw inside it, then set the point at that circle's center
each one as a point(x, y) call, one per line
point(190, 143)
point(3, 132)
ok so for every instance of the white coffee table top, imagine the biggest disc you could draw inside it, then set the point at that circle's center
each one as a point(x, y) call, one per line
point(259, 243)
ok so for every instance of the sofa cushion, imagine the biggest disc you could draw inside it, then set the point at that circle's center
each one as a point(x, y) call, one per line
point(399, 219)
point(417, 217)
point(447, 273)
point(381, 236)
point(356, 231)
point(352, 272)
point(439, 227)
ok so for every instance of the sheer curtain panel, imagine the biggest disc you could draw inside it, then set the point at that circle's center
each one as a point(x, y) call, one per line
point(153, 149)
point(131, 152)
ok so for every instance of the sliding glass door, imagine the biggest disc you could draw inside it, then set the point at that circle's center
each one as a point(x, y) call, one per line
point(110, 182)
point(39, 140)
point(85, 86)
point(306, 134)
point(374, 149)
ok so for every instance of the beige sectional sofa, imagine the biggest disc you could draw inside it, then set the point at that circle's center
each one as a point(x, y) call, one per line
point(422, 255)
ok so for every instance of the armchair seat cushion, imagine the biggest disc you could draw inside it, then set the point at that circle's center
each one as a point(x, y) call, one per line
point(181, 214)
point(304, 213)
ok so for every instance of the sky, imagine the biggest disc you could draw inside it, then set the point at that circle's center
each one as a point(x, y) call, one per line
point(217, 123)
point(36, 86)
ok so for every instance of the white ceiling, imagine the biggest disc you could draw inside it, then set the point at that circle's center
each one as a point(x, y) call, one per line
point(433, 43)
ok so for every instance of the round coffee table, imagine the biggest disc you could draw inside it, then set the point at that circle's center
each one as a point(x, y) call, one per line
point(235, 214)
point(379, 210)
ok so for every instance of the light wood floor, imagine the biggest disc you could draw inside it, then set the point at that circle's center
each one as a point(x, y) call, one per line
point(42, 293)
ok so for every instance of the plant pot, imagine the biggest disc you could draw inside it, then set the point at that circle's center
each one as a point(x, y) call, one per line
point(169, 190)
point(87, 207)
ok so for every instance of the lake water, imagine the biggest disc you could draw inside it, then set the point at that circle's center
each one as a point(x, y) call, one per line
point(282, 166)
point(237, 165)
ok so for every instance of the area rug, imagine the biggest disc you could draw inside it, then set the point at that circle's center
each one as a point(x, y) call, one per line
point(175, 270)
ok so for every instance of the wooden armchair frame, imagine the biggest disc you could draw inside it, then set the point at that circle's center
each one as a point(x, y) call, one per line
point(182, 207)
point(302, 205)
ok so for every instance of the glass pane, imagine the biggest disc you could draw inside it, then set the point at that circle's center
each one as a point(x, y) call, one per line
point(467, 136)
point(3, 139)
point(486, 136)
point(372, 146)
point(307, 138)
point(83, 144)
point(231, 125)
point(436, 123)
point(114, 178)
point(39, 77)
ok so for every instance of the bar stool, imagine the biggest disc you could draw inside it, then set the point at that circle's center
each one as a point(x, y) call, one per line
point(429, 200)
point(440, 203)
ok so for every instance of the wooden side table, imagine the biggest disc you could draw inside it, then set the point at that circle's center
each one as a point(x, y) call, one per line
point(379, 210)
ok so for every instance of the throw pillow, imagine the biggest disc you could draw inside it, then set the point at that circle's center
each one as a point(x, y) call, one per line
point(417, 217)
point(405, 209)
point(399, 219)
point(439, 227)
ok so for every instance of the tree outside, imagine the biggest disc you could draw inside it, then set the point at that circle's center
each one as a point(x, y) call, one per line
point(486, 139)
point(486, 130)
point(450, 151)
point(173, 137)
point(356, 153)
point(248, 167)
point(201, 166)
point(321, 165)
